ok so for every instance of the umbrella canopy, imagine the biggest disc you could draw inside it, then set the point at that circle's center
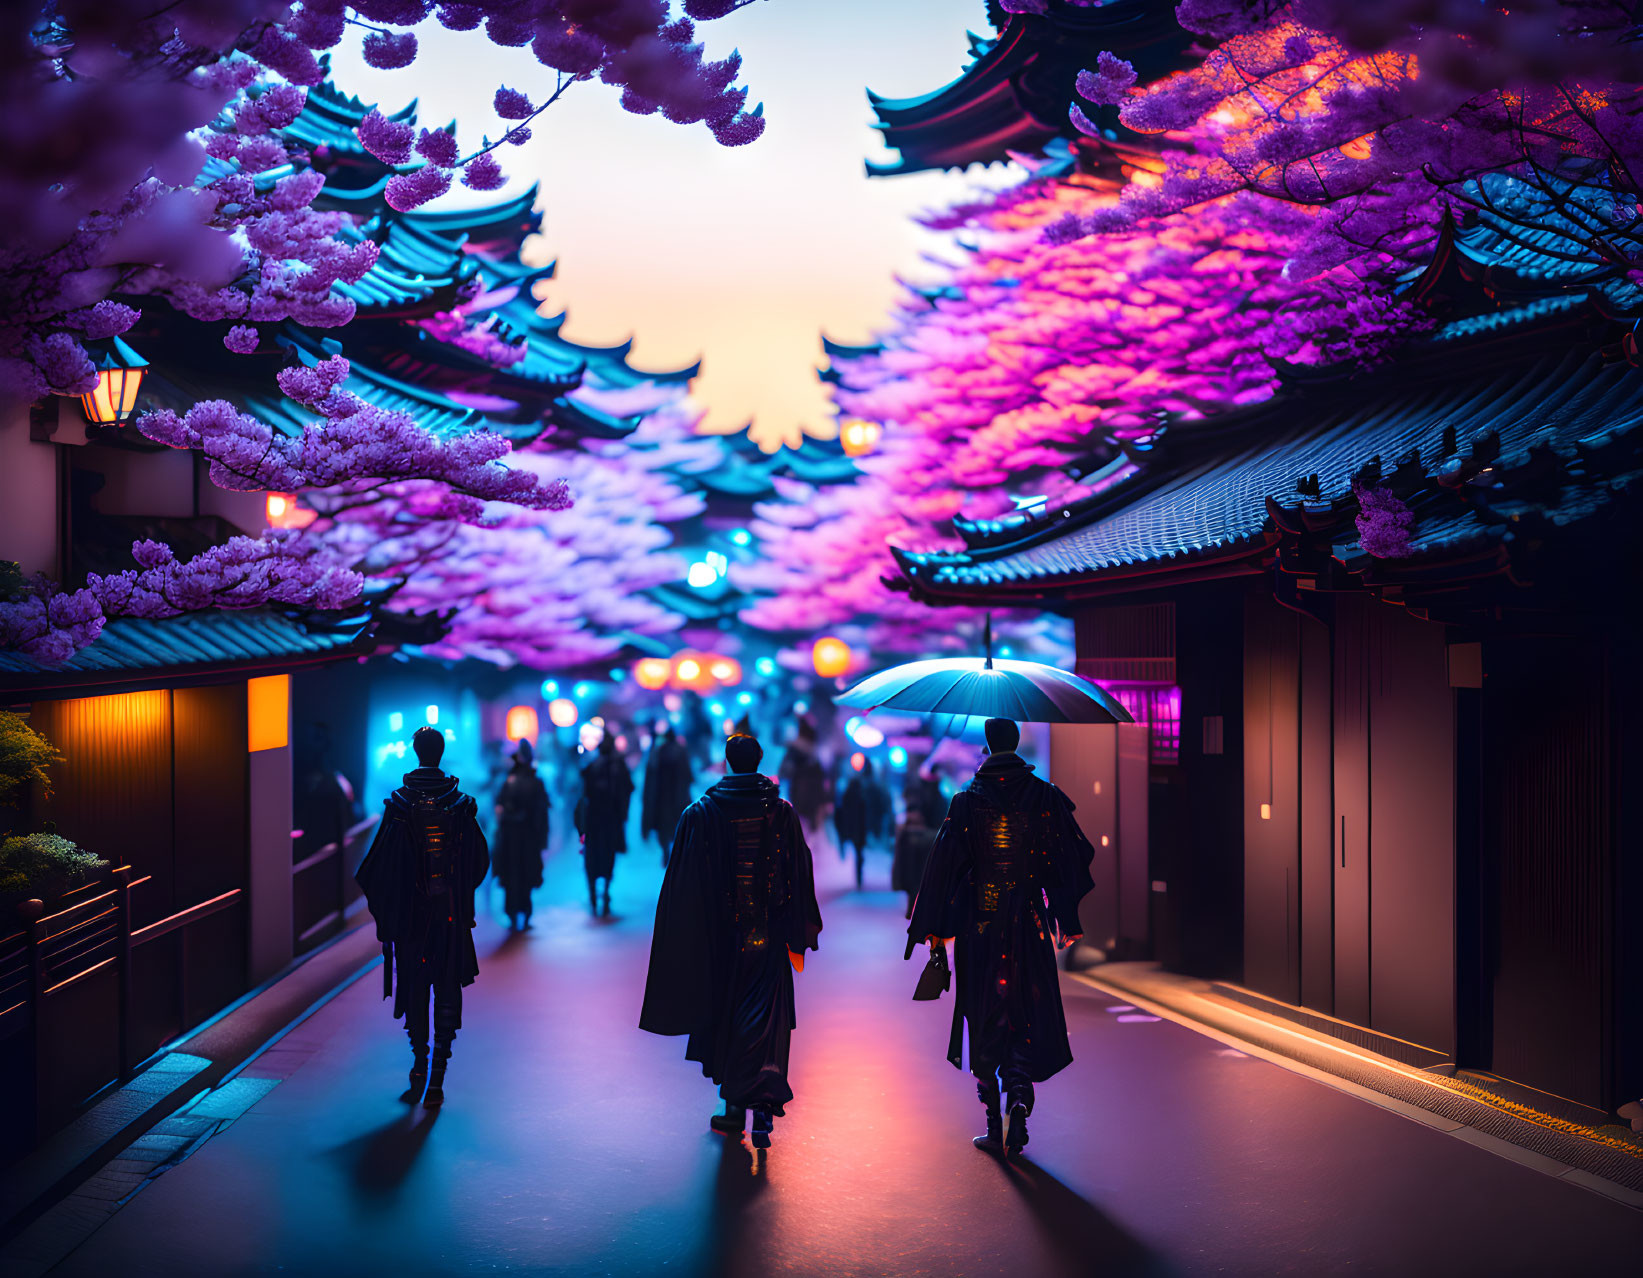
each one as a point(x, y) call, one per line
point(987, 688)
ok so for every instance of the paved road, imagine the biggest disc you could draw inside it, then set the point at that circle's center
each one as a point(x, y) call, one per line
point(574, 1144)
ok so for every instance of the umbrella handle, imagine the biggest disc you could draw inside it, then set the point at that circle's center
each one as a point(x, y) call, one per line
point(988, 638)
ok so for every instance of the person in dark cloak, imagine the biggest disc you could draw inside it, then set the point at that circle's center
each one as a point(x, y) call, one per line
point(667, 788)
point(602, 818)
point(805, 776)
point(419, 879)
point(736, 914)
point(858, 816)
point(923, 791)
point(521, 835)
point(913, 842)
point(1005, 876)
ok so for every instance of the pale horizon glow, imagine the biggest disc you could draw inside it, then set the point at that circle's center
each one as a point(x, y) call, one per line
point(741, 258)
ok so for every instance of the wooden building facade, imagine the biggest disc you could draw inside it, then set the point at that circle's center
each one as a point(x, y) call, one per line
point(1400, 803)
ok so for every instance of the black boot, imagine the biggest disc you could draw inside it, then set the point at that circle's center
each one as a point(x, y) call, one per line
point(436, 1079)
point(593, 897)
point(763, 1121)
point(1015, 1127)
point(418, 1078)
point(604, 910)
point(993, 1139)
point(731, 1122)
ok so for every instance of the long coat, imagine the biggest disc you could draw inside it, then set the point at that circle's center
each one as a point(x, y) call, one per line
point(739, 895)
point(667, 790)
point(1009, 866)
point(423, 904)
point(521, 835)
point(602, 815)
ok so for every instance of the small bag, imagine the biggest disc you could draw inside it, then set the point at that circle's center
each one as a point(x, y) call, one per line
point(936, 978)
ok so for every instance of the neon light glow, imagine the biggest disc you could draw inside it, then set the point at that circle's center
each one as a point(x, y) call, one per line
point(522, 724)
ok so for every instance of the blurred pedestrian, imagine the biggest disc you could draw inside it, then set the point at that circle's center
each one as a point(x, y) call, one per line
point(667, 787)
point(1004, 878)
point(859, 814)
point(521, 835)
point(913, 842)
point(736, 914)
point(419, 879)
point(805, 776)
point(602, 817)
point(923, 790)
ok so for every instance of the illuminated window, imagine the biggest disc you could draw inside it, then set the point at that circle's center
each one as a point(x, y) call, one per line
point(268, 712)
point(1158, 705)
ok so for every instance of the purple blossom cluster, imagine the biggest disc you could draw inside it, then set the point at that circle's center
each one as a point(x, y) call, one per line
point(356, 444)
point(1383, 520)
point(100, 194)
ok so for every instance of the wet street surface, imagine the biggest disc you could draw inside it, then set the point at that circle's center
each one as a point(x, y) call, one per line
point(571, 1143)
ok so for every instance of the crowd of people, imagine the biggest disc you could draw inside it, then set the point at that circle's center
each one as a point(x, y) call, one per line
point(998, 872)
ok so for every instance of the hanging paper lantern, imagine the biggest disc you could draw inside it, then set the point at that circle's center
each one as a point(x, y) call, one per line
point(652, 673)
point(562, 712)
point(831, 657)
point(522, 724)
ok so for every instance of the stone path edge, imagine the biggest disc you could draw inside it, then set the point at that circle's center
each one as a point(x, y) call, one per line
point(1401, 1089)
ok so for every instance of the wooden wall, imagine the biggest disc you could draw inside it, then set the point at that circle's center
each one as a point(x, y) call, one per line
point(1348, 815)
point(1547, 824)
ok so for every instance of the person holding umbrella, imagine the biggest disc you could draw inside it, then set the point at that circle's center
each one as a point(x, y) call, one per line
point(1004, 878)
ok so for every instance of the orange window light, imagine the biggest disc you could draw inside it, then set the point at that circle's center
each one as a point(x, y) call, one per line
point(268, 712)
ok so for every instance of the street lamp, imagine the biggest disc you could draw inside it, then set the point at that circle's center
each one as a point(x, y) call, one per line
point(120, 372)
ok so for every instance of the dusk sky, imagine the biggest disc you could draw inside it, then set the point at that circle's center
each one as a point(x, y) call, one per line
point(739, 257)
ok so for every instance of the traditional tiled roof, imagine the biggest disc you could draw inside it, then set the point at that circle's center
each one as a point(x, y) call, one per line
point(131, 650)
point(1474, 437)
point(1014, 94)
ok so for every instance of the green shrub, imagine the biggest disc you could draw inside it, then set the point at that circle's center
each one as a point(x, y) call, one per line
point(24, 756)
point(32, 862)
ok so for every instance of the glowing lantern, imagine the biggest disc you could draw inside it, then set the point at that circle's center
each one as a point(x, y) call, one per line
point(120, 372)
point(522, 724)
point(831, 657)
point(688, 670)
point(284, 512)
point(652, 673)
point(858, 761)
point(859, 437)
point(562, 713)
point(726, 670)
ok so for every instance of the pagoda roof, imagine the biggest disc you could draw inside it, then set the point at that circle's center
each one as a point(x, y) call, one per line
point(1474, 456)
point(133, 652)
point(1014, 94)
point(491, 230)
point(329, 119)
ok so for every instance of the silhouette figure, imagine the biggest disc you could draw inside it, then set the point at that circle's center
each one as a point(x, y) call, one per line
point(1004, 878)
point(913, 842)
point(521, 835)
point(805, 776)
point(602, 818)
point(736, 914)
point(419, 879)
point(667, 787)
point(859, 815)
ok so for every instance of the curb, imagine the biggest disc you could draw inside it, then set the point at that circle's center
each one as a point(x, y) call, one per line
point(1602, 1164)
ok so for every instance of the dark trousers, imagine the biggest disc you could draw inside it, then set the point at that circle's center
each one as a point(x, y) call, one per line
point(447, 1006)
point(1012, 1081)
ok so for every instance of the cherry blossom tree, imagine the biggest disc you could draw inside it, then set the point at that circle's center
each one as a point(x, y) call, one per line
point(533, 585)
point(1306, 163)
point(102, 104)
point(143, 155)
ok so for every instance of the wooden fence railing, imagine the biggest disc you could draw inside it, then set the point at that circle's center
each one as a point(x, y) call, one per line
point(323, 889)
point(88, 932)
